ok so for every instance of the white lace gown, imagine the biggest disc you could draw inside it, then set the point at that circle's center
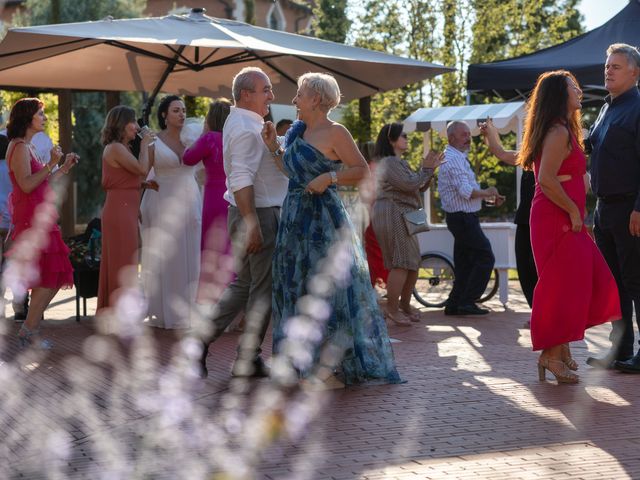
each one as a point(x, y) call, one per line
point(171, 225)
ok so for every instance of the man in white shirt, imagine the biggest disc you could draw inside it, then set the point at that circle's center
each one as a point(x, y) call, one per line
point(461, 198)
point(255, 192)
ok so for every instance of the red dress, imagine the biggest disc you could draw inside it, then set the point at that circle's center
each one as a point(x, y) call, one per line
point(377, 272)
point(575, 288)
point(36, 264)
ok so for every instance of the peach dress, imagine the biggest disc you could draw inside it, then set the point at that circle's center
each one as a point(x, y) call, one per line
point(119, 229)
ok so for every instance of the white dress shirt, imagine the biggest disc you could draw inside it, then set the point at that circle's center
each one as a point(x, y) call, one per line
point(248, 162)
point(456, 182)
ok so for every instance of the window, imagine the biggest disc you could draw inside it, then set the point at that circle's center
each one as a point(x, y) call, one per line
point(275, 17)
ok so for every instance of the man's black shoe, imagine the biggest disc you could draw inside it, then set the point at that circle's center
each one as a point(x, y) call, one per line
point(256, 369)
point(629, 366)
point(471, 310)
point(450, 310)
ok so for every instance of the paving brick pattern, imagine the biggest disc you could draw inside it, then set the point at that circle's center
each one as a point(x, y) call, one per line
point(472, 407)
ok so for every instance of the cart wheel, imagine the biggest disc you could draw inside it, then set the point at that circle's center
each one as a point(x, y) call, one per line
point(492, 286)
point(435, 280)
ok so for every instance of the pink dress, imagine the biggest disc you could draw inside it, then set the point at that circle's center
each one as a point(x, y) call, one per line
point(575, 288)
point(214, 242)
point(48, 266)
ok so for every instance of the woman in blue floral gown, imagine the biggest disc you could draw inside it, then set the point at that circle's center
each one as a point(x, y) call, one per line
point(319, 258)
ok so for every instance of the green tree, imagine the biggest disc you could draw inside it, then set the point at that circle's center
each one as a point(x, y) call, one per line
point(250, 12)
point(330, 20)
point(455, 33)
point(380, 28)
point(88, 108)
point(506, 29)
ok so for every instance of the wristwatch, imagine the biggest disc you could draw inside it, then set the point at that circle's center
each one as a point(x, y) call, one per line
point(278, 151)
point(334, 177)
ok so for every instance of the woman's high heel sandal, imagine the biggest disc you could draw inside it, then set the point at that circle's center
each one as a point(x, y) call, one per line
point(25, 337)
point(398, 318)
point(411, 314)
point(559, 370)
point(567, 359)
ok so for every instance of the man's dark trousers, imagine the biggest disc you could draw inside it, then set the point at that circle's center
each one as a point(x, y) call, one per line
point(472, 256)
point(621, 251)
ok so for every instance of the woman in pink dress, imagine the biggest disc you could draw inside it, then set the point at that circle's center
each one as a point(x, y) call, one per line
point(38, 259)
point(215, 244)
point(575, 288)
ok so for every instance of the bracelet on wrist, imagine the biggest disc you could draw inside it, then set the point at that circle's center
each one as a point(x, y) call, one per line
point(278, 151)
point(334, 177)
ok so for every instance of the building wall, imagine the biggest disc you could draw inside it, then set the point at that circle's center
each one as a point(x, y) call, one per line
point(293, 18)
point(7, 11)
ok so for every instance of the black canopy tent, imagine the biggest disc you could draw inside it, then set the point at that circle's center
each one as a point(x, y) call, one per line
point(584, 56)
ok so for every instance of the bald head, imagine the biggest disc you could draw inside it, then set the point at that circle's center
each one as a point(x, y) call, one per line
point(459, 136)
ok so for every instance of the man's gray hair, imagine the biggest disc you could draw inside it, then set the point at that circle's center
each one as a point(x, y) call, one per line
point(245, 79)
point(632, 54)
point(453, 126)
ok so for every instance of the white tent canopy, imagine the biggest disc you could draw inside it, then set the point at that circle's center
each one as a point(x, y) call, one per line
point(507, 117)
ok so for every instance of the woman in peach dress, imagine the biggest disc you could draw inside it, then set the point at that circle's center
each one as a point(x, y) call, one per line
point(122, 175)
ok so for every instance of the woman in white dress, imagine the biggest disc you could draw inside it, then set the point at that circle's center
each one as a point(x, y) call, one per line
point(171, 224)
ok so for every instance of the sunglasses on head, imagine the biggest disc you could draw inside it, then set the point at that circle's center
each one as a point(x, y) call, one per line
point(402, 134)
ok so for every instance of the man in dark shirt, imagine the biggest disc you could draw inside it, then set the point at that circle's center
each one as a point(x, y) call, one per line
point(614, 140)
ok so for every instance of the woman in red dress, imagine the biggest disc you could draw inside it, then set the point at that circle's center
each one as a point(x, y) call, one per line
point(575, 288)
point(38, 259)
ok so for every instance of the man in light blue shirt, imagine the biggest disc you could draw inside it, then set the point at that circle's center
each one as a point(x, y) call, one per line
point(461, 198)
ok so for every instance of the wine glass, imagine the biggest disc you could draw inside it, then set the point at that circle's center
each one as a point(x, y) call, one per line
point(144, 130)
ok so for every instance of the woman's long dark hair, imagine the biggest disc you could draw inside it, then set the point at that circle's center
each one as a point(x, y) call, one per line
point(390, 132)
point(163, 109)
point(21, 116)
point(547, 106)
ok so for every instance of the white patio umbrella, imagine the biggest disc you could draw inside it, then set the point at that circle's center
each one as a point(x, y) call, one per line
point(190, 55)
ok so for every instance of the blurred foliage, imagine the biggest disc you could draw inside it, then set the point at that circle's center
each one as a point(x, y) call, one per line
point(7, 99)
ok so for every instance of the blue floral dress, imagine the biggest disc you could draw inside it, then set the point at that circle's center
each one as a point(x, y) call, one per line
point(310, 227)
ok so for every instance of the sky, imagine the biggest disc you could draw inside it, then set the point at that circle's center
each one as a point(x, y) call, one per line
point(597, 12)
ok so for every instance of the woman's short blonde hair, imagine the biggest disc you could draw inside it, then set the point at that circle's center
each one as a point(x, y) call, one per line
point(324, 85)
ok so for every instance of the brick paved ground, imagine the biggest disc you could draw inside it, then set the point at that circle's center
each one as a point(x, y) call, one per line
point(472, 408)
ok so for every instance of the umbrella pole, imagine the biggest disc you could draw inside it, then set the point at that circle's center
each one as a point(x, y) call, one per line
point(146, 111)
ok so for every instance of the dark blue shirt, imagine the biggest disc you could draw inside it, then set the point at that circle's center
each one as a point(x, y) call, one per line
point(614, 141)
